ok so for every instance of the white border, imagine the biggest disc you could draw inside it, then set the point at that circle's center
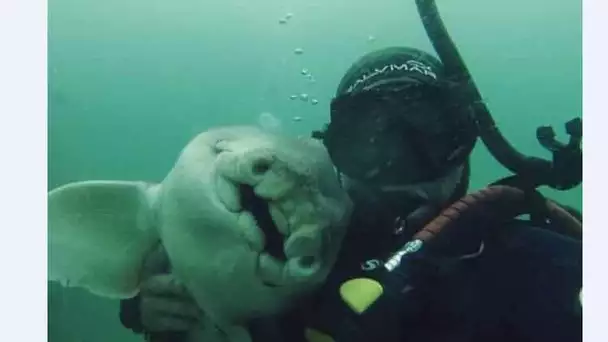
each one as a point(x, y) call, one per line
point(595, 124)
point(23, 141)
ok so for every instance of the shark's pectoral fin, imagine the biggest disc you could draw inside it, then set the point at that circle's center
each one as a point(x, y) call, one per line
point(99, 235)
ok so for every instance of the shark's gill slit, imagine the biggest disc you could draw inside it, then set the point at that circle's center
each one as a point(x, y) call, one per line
point(258, 207)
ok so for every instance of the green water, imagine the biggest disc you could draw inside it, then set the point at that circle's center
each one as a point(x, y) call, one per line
point(131, 81)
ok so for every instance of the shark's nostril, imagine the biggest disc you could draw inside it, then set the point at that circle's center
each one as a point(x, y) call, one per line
point(218, 147)
point(307, 261)
point(260, 167)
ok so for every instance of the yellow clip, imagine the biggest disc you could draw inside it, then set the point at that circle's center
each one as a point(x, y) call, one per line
point(360, 293)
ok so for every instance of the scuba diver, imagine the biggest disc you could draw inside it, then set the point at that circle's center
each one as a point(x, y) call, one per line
point(423, 259)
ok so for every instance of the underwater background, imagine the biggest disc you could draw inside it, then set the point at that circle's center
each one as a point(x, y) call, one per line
point(132, 81)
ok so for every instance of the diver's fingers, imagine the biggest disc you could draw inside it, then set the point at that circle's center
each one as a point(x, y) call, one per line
point(172, 307)
point(167, 323)
point(164, 285)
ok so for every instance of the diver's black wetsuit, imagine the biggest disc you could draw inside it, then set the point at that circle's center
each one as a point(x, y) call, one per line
point(524, 286)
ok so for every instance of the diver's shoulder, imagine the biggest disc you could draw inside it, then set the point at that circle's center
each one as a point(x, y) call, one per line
point(531, 243)
point(546, 231)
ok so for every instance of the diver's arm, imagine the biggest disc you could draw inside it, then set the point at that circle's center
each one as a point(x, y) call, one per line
point(130, 317)
point(162, 312)
point(163, 309)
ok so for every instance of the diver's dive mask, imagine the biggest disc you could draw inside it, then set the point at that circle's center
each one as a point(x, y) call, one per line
point(389, 136)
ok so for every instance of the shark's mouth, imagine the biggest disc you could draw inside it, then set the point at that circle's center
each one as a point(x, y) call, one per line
point(259, 208)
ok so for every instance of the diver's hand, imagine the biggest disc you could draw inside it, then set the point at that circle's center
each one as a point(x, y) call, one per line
point(165, 305)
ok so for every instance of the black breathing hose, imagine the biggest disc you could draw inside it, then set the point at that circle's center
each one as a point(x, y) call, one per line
point(563, 175)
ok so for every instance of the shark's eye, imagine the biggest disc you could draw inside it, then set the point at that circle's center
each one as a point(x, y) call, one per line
point(218, 147)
